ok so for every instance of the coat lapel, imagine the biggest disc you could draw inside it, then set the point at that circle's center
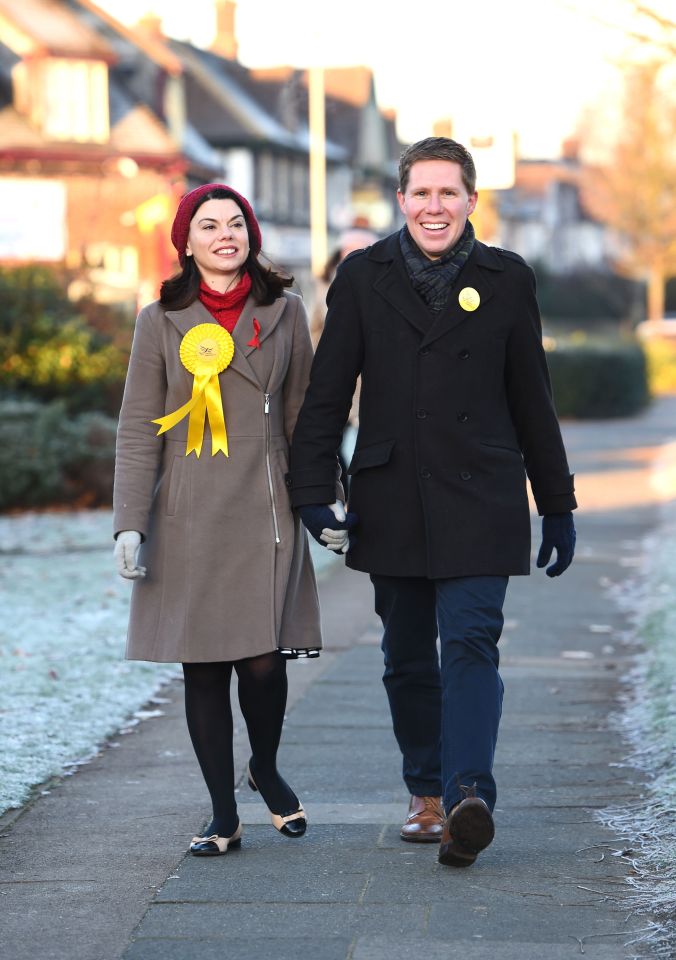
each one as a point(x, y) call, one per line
point(394, 285)
point(477, 275)
point(257, 361)
point(244, 360)
point(453, 313)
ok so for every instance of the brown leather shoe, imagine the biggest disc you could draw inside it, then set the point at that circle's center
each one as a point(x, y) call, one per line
point(425, 820)
point(468, 830)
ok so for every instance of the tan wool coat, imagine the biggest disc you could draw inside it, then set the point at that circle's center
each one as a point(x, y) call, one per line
point(229, 573)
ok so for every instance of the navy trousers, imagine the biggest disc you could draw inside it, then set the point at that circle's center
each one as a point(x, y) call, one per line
point(445, 708)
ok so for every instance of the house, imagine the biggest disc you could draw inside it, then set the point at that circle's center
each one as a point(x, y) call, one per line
point(544, 217)
point(90, 170)
point(257, 122)
point(103, 127)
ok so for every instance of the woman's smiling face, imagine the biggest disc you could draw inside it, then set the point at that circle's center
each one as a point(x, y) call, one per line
point(218, 240)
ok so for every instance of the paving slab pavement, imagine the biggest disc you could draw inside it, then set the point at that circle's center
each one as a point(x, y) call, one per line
point(97, 870)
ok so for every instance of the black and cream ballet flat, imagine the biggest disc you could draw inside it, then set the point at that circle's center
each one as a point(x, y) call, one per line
point(292, 824)
point(215, 846)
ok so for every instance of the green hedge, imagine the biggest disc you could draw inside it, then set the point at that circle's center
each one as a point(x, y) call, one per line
point(52, 349)
point(595, 298)
point(598, 380)
point(47, 458)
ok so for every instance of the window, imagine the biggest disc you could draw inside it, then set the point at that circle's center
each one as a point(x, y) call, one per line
point(266, 185)
point(66, 99)
point(283, 197)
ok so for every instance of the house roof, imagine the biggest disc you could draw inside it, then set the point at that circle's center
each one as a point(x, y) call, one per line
point(138, 134)
point(533, 184)
point(120, 36)
point(353, 118)
point(229, 107)
point(349, 84)
point(47, 27)
point(127, 84)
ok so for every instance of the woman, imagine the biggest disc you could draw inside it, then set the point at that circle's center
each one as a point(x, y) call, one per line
point(224, 577)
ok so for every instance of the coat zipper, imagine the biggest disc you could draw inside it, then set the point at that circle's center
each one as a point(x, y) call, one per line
point(266, 411)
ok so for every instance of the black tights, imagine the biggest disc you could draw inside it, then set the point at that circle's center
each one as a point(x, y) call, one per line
point(262, 689)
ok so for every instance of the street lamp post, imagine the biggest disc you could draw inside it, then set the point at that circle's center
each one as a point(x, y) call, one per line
point(317, 121)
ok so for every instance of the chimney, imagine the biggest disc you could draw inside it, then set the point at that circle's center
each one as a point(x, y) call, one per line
point(570, 149)
point(150, 25)
point(443, 127)
point(225, 42)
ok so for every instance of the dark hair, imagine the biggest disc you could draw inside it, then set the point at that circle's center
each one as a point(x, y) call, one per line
point(331, 266)
point(438, 148)
point(183, 288)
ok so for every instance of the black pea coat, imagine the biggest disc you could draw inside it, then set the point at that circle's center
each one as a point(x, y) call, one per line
point(456, 409)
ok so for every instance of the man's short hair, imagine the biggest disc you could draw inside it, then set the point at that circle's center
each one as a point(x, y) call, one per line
point(438, 148)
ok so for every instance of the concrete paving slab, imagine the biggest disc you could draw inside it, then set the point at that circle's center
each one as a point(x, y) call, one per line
point(240, 948)
point(554, 922)
point(189, 921)
point(323, 883)
point(384, 948)
point(352, 706)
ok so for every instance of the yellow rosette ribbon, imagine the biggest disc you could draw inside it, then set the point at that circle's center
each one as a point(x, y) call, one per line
point(205, 351)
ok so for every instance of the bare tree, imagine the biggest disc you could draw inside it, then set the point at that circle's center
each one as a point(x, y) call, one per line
point(650, 28)
point(666, 34)
point(634, 192)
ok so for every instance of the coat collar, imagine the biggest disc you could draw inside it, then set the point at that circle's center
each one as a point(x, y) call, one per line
point(244, 360)
point(394, 285)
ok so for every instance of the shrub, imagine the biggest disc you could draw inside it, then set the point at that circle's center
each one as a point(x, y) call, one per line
point(89, 472)
point(592, 297)
point(54, 349)
point(598, 379)
point(47, 459)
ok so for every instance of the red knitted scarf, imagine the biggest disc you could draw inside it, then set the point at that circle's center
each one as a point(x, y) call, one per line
point(226, 307)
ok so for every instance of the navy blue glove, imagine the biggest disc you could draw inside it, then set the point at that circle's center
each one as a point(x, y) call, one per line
point(558, 532)
point(320, 520)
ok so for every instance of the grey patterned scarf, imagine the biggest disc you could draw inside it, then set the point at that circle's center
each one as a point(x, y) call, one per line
point(433, 279)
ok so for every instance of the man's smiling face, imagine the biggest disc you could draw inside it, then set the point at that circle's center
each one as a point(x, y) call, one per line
point(436, 205)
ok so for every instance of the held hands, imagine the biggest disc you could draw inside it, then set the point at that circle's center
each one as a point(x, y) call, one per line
point(126, 549)
point(558, 531)
point(329, 525)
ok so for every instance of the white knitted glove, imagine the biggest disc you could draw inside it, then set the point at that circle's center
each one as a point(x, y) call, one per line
point(126, 549)
point(337, 540)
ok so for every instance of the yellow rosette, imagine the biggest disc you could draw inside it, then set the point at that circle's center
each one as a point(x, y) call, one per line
point(205, 351)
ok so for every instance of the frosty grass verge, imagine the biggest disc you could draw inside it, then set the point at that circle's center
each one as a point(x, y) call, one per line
point(648, 825)
point(65, 684)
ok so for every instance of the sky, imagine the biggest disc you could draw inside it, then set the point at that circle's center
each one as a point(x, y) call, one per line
point(531, 66)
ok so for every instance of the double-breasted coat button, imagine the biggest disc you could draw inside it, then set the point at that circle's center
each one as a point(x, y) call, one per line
point(465, 475)
point(425, 352)
point(421, 414)
point(464, 354)
point(463, 417)
point(425, 474)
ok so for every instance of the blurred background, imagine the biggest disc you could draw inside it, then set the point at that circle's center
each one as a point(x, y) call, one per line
point(109, 112)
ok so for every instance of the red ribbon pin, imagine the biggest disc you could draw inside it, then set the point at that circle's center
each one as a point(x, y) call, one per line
point(255, 342)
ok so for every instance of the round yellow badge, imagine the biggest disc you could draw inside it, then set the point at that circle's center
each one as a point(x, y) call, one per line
point(206, 348)
point(469, 298)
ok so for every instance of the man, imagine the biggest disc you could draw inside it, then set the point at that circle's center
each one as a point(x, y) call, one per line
point(456, 409)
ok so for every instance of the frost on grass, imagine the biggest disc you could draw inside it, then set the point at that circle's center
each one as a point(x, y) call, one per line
point(64, 683)
point(648, 825)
